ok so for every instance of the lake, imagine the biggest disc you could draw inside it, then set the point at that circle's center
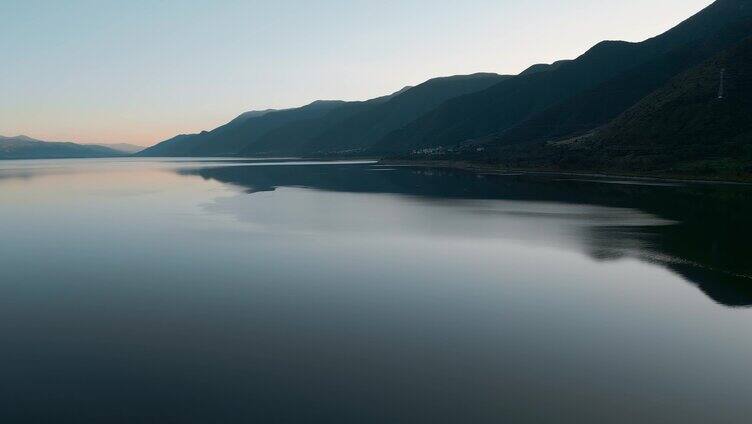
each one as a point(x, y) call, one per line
point(285, 291)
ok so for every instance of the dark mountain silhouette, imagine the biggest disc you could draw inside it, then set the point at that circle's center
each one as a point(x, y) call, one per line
point(509, 103)
point(292, 138)
point(557, 116)
point(228, 139)
point(361, 129)
point(543, 67)
point(593, 108)
point(689, 127)
point(322, 127)
point(22, 147)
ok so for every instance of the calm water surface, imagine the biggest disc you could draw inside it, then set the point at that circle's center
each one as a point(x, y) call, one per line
point(289, 292)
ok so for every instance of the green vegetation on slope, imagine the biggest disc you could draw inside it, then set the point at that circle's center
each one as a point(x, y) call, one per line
point(507, 104)
point(683, 129)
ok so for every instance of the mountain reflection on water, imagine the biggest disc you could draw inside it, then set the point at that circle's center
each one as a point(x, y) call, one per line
point(700, 231)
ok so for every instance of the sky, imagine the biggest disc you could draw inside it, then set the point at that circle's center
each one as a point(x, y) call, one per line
point(143, 71)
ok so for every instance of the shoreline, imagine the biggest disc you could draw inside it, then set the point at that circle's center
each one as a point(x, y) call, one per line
point(448, 164)
point(499, 169)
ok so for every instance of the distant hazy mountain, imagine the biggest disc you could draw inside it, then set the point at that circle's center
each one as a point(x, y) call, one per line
point(22, 147)
point(122, 147)
point(252, 114)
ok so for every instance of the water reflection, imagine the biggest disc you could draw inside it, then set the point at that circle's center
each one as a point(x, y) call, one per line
point(699, 231)
point(161, 291)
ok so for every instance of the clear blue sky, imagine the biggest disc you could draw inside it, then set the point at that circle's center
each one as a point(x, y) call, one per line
point(142, 71)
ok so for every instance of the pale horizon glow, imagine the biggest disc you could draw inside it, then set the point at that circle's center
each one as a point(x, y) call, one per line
point(138, 72)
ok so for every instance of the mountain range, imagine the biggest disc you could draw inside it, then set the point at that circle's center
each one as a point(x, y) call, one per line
point(586, 113)
point(698, 123)
point(121, 147)
point(323, 127)
point(23, 147)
